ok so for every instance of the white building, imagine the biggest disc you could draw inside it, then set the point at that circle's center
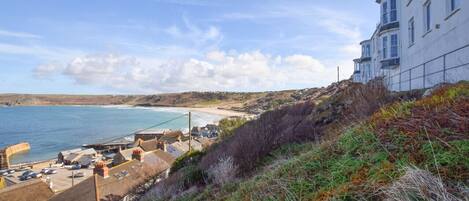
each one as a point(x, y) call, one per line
point(417, 44)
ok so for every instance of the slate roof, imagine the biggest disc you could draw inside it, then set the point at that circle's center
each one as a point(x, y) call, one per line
point(122, 179)
point(149, 145)
point(33, 190)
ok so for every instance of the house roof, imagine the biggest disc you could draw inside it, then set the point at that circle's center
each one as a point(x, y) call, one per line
point(34, 190)
point(83, 191)
point(183, 147)
point(70, 154)
point(122, 179)
point(127, 153)
point(66, 152)
point(149, 145)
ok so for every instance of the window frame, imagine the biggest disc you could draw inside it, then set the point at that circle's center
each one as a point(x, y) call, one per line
point(394, 47)
point(411, 30)
point(384, 47)
point(427, 20)
point(384, 15)
point(393, 11)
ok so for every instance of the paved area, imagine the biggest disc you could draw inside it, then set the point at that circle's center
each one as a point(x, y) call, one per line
point(60, 181)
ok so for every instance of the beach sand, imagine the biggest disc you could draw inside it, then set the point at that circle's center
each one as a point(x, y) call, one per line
point(216, 111)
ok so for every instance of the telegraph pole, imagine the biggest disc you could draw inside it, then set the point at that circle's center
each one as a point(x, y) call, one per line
point(190, 133)
point(338, 74)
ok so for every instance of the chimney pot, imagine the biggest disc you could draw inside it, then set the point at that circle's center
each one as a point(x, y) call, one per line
point(101, 169)
point(137, 155)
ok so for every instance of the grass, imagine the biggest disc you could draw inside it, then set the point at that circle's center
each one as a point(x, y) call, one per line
point(366, 158)
point(430, 135)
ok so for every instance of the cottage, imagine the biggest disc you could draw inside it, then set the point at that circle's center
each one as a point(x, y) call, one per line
point(179, 148)
point(117, 182)
point(149, 145)
point(125, 155)
point(77, 156)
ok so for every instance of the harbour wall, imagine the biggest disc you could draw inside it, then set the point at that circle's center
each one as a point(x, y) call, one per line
point(11, 150)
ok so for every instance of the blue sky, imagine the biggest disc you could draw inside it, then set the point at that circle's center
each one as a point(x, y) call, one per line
point(156, 46)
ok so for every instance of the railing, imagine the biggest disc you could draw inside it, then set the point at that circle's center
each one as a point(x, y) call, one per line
point(447, 68)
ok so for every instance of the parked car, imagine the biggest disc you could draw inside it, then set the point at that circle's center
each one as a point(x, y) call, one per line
point(3, 173)
point(11, 171)
point(37, 175)
point(48, 171)
point(77, 174)
point(27, 175)
point(72, 167)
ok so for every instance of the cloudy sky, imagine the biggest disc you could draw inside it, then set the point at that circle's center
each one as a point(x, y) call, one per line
point(155, 46)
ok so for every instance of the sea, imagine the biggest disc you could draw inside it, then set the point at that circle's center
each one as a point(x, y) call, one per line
point(51, 129)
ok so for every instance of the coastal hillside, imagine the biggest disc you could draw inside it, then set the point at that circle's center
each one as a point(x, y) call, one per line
point(361, 143)
point(253, 103)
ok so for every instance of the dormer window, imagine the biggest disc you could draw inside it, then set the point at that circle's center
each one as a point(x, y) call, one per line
point(384, 11)
point(389, 11)
point(393, 11)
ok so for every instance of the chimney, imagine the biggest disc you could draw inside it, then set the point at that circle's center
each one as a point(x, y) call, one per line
point(101, 169)
point(162, 146)
point(137, 154)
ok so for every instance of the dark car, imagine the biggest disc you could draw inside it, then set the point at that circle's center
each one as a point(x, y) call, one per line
point(27, 175)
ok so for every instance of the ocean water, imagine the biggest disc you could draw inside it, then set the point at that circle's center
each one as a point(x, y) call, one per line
point(50, 129)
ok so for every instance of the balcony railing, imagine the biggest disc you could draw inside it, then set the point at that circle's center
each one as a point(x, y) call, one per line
point(421, 77)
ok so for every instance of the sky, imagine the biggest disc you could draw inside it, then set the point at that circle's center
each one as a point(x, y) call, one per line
point(160, 46)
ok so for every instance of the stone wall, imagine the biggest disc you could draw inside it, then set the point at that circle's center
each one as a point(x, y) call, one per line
point(11, 150)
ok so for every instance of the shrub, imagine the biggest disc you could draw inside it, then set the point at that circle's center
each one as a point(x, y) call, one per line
point(223, 172)
point(188, 158)
point(228, 125)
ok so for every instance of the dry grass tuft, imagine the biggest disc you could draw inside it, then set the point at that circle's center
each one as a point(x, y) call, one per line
point(418, 184)
point(223, 172)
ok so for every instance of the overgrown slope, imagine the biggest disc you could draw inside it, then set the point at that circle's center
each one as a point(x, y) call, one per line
point(379, 146)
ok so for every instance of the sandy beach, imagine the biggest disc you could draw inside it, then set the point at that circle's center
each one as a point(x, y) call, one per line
point(216, 111)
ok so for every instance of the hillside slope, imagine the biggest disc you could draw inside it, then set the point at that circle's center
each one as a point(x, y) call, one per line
point(362, 143)
point(254, 103)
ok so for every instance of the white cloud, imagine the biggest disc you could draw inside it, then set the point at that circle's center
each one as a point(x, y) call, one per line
point(217, 71)
point(18, 34)
point(45, 71)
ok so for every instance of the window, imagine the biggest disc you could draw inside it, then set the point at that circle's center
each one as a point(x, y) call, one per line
point(368, 50)
point(385, 44)
point(411, 31)
point(394, 45)
point(393, 12)
point(385, 12)
point(452, 5)
point(427, 16)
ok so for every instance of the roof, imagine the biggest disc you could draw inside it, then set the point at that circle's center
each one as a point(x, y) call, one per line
point(66, 152)
point(89, 151)
point(83, 191)
point(127, 153)
point(151, 132)
point(183, 147)
point(33, 190)
point(72, 156)
point(149, 145)
point(122, 179)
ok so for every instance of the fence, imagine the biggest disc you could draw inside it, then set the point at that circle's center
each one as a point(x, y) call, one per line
point(448, 68)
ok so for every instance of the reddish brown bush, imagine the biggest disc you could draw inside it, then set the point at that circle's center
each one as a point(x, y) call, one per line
point(298, 123)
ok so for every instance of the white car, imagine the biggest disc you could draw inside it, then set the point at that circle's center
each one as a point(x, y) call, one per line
point(48, 171)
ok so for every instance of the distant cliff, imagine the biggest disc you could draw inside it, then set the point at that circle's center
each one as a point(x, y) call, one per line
point(255, 102)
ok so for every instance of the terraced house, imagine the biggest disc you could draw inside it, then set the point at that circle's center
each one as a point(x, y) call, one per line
point(417, 44)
